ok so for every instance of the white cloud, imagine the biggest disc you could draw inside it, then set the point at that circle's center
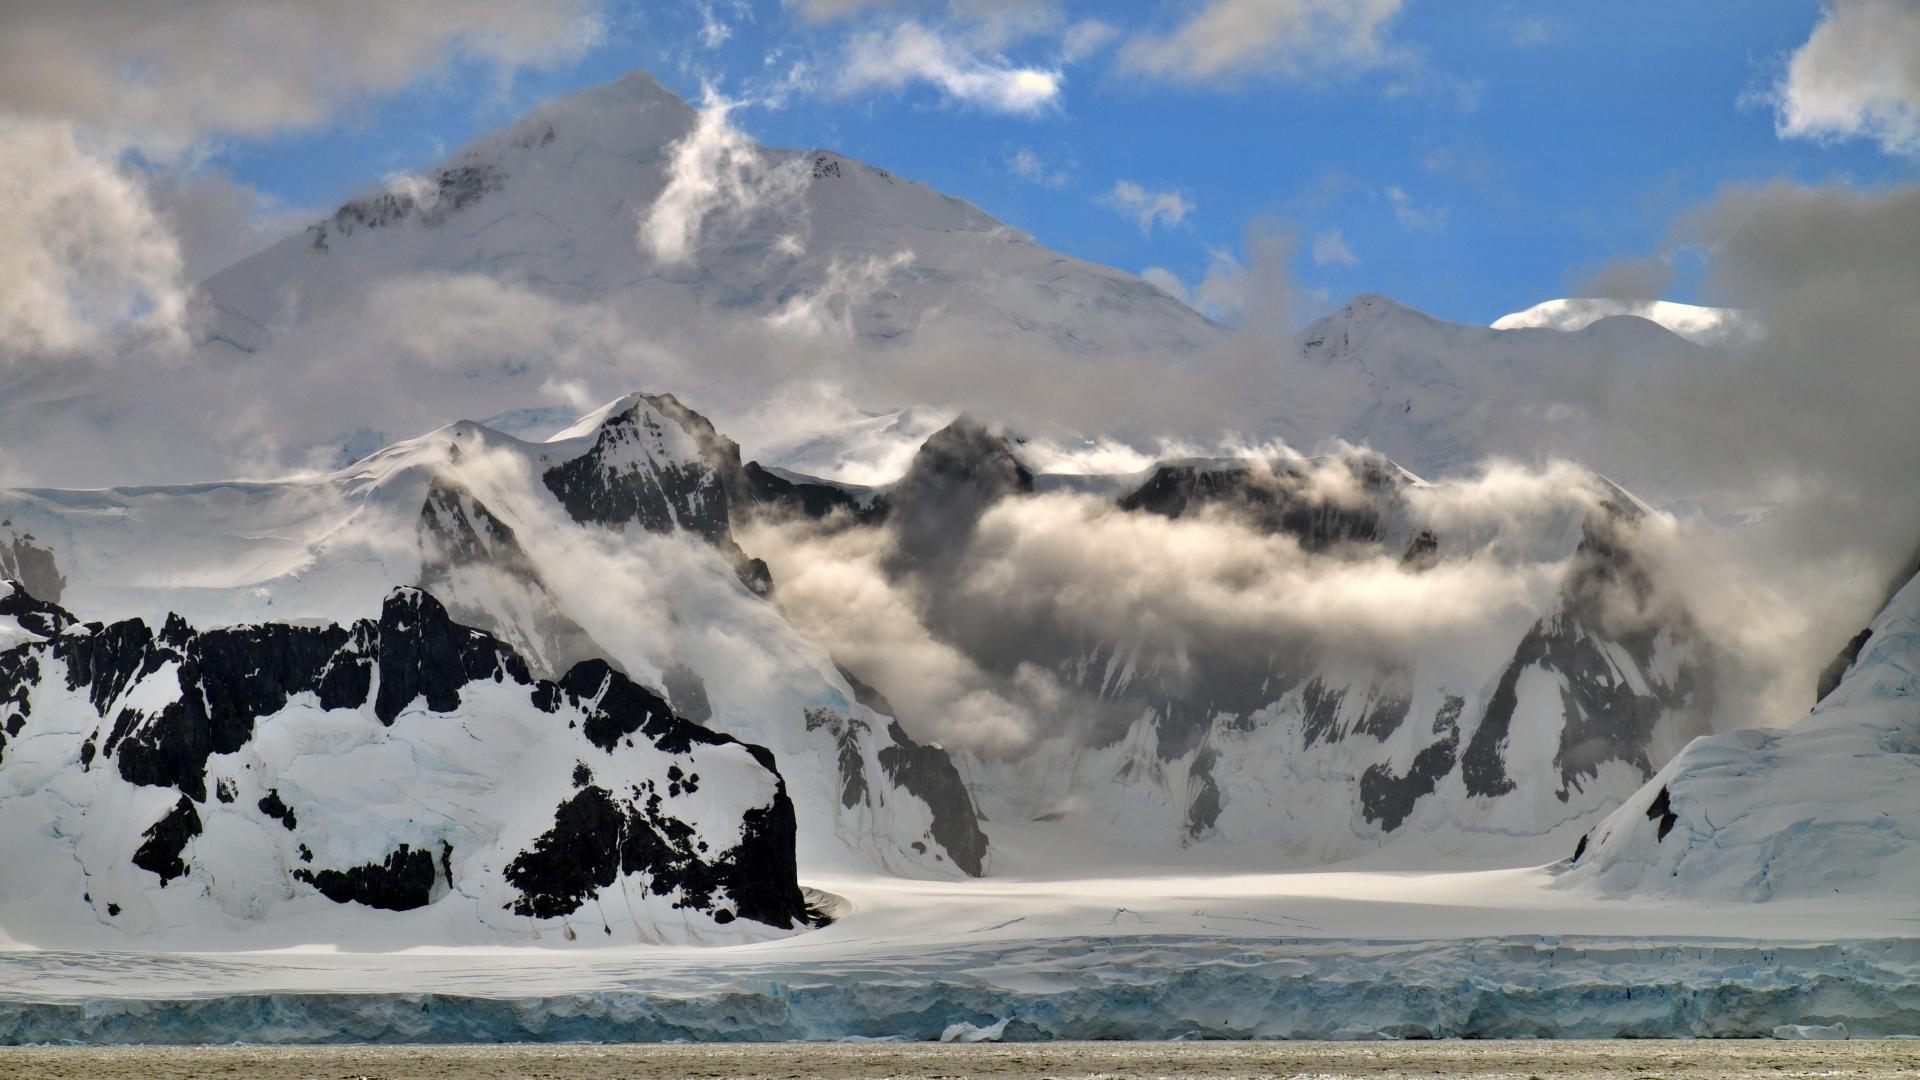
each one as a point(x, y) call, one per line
point(1330, 249)
point(83, 254)
point(1858, 75)
point(162, 73)
point(912, 53)
point(1148, 208)
point(1028, 166)
point(1231, 39)
point(1414, 218)
point(716, 173)
point(850, 284)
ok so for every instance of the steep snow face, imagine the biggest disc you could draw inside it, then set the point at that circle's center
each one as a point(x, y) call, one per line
point(612, 540)
point(399, 780)
point(1828, 806)
point(564, 202)
point(1704, 325)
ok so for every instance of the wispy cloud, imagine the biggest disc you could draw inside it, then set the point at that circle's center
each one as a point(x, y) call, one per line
point(1148, 208)
point(910, 52)
point(1226, 40)
point(1412, 217)
point(1028, 166)
point(1330, 249)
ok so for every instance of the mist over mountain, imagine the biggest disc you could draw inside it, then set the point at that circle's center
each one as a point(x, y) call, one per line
point(627, 533)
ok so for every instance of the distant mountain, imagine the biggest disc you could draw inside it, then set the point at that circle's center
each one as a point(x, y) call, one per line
point(403, 779)
point(1702, 325)
point(1827, 806)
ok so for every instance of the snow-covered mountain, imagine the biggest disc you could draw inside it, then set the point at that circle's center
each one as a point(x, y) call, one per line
point(562, 202)
point(1697, 323)
point(1302, 744)
point(1828, 806)
point(611, 541)
point(400, 778)
point(1439, 397)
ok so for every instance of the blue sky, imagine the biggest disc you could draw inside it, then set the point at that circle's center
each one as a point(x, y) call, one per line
point(1487, 155)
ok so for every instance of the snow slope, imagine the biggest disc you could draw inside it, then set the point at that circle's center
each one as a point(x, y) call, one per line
point(558, 202)
point(612, 540)
point(399, 780)
point(1828, 807)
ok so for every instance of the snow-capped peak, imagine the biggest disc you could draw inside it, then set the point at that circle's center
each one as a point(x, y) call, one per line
point(1702, 325)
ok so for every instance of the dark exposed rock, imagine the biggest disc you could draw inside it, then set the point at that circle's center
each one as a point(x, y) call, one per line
point(1319, 711)
point(617, 707)
point(597, 837)
point(401, 882)
point(768, 490)
point(1837, 668)
point(631, 477)
point(958, 473)
point(1423, 551)
point(686, 692)
point(1389, 799)
point(1275, 496)
point(928, 773)
point(425, 654)
point(32, 566)
point(847, 733)
point(1203, 795)
point(1661, 810)
point(459, 536)
point(273, 807)
point(36, 615)
point(455, 188)
point(166, 839)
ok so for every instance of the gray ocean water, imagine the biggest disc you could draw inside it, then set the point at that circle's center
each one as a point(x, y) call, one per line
point(1615, 1060)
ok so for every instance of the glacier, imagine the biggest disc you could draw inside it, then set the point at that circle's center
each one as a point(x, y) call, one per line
point(1069, 988)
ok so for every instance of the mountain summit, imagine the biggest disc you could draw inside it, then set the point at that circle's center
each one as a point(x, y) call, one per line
point(626, 193)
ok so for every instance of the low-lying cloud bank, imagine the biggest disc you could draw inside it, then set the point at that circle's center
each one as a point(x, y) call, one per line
point(1000, 628)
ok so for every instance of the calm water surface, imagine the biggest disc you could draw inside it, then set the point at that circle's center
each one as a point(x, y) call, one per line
point(1614, 1060)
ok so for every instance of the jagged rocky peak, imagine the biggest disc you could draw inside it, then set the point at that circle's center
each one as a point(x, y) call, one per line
point(272, 778)
point(656, 464)
point(958, 473)
point(41, 618)
point(1321, 502)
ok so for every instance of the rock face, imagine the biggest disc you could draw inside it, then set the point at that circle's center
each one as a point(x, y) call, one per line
point(24, 560)
point(1828, 806)
point(249, 777)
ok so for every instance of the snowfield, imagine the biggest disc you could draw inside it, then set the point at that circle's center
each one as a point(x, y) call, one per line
point(1335, 955)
